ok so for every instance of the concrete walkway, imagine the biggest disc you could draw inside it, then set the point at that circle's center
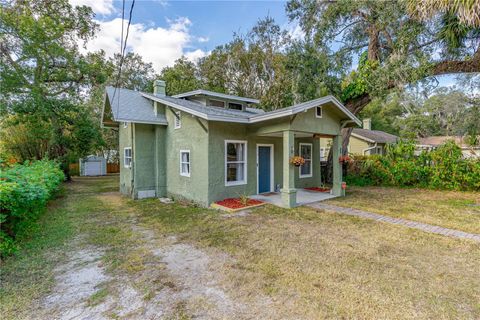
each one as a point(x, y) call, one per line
point(407, 223)
point(304, 197)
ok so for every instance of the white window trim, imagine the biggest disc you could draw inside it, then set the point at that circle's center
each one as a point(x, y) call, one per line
point(316, 115)
point(125, 124)
point(125, 158)
point(272, 163)
point(309, 175)
point(177, 119)
point(236, 183)
point(189, 163)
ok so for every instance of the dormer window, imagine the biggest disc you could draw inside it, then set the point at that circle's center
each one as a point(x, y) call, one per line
point(318, 112)
point(235, 106)
point(217, 103)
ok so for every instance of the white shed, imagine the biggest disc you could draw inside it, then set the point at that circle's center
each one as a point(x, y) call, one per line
point(93, 166)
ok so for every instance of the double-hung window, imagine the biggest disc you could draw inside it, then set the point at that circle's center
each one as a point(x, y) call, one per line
point(127, 157)
point(185, 163)
point(235, 162)
point(318, 112)
point(306, 153)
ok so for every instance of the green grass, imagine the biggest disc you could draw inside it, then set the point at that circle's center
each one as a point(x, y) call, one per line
point(449, 209)
point(28, 275)
point(98, 297)
point(310, 264)
point(322, 265)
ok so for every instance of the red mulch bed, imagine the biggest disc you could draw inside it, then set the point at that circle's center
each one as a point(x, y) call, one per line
point(235, 203)
point(318, 189)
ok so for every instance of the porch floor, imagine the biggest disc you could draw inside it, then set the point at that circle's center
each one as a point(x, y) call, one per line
point(303, 197)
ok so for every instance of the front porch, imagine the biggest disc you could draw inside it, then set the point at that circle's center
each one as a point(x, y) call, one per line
point(293, 179)
point(303, 197)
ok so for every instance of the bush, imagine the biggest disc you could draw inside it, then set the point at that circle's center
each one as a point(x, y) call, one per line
point(443, 168)
point(24, 193)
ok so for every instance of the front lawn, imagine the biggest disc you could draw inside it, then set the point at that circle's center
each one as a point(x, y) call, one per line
point(449, 209)
point(302, 263)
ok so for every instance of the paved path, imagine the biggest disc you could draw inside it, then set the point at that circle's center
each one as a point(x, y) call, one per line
point(399, 221)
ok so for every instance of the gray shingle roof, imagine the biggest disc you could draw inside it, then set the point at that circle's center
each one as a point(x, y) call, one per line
point(138, 107)
point(376, 135)
point(196, 106)
point(131, 106)
point(215, 94)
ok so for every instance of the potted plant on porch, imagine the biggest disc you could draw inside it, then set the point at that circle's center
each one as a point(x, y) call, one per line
point(297, 161)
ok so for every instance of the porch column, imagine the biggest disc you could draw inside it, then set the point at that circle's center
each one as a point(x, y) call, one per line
point(337, 167)
point(289, 193)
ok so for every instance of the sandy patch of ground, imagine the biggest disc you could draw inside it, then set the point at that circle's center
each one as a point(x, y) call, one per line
point(178, 280)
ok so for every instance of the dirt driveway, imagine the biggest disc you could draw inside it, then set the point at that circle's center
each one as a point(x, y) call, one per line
point(120, 268)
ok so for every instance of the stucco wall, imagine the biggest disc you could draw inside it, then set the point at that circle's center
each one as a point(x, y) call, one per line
point(329, 123)
point(125, 140)
point(191, 136)
point(314, 180)
point(219, 132)
point(144, 158)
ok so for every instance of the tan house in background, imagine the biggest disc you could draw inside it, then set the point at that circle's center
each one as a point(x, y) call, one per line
point(363, 141)
point(431, 143)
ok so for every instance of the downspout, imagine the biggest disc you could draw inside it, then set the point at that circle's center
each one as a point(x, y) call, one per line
point(365, 150)
point(133, 160)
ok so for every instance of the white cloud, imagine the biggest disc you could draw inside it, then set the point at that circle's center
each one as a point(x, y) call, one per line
point(195, 55)
point(203, 39)
point(104, 7)
point(160, 46)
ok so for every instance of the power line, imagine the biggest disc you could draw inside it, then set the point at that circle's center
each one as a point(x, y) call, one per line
point(122, 50)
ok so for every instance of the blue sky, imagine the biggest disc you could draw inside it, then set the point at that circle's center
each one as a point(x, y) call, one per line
point(162, 31)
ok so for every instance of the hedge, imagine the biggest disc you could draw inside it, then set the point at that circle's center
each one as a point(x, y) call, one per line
point(443, 168)
point(24, 193)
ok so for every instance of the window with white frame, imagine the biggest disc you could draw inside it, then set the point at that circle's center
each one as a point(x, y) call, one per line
point(178, 119)
point(318, 112)
point(185, 163)
point(235, 162)
point(306, 153)
point(127, 157)
point(125, 125)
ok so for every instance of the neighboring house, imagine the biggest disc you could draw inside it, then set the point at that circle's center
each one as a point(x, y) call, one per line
point(431, 143)
point(205, 146)
point(363, 141)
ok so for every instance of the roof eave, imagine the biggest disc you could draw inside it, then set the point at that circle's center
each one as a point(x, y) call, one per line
point(215, 94)
point(364, 138)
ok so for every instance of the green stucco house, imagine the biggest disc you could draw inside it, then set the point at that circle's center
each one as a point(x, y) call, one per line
point(205, 146)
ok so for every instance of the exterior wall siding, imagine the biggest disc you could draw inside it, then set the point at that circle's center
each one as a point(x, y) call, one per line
point(125, 140)
point(219, 133)
point(356, 146)
point(144, 158)
point(191, 136)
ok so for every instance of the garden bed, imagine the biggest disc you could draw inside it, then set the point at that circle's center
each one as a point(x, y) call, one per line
point(236, 204)
point(318, 189)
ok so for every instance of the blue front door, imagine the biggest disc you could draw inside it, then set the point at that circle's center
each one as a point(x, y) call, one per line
point(264, 169)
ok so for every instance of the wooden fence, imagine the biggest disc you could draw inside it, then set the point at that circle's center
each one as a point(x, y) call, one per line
point(111, 168)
